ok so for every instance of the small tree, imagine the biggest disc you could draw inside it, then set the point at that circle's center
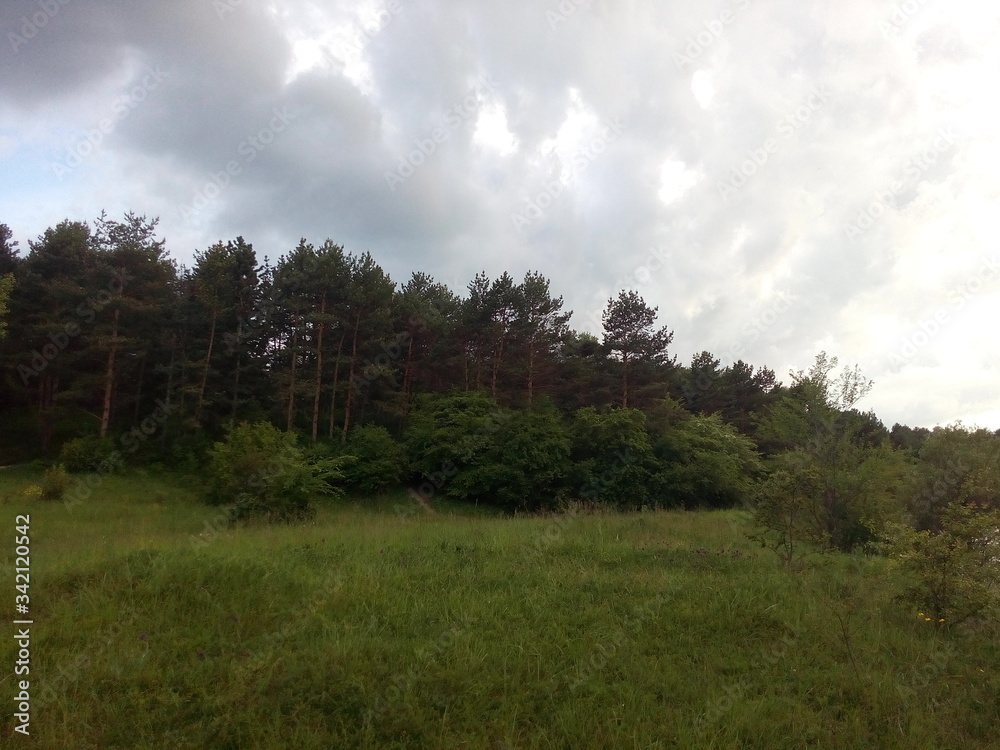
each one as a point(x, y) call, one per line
point(852, 472)
point(952, 573)
point(788, 515)
point(261, 472)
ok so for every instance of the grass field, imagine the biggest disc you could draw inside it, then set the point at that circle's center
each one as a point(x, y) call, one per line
point(378, 625)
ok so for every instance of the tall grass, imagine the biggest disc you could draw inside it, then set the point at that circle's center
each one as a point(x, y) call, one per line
point(373, 627)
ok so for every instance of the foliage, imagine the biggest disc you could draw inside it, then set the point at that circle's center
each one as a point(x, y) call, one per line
point(263, 473)
point(6, 285)
point(55, 483)
point(612, 457)
point(704, 462)
point(379, 461)
point(852, 473)
point(952, 573)
point(525, 463)
point(956, 465)
point(788, 516)
point(85, 453)
point(476, 450)
point(630, 334)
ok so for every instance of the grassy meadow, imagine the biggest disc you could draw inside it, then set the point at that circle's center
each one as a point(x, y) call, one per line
point(380, 625)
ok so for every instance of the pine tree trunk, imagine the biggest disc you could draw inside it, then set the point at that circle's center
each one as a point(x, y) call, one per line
point(625, 381)
point(531, 370)
point(336, 379)
point(291, 382)
point(109, 378)
point(236, 386)
point(319, 371)
point(407, 372)
point(170, 387)
point(138, 391)
point(208, 365)
point(47, 389)
point(350, 381)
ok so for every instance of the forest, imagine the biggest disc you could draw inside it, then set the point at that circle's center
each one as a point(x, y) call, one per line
point(115, 355)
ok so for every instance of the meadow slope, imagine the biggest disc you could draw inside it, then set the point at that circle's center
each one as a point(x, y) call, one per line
point(372, 628)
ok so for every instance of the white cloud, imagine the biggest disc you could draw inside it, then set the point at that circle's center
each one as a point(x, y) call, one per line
point(675, 180)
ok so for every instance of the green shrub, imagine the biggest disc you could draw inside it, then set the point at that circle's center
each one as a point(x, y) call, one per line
point(379, 461)
point(85, 453)
point(612, 457)
point(469, 448)
point(55, 483)
point(262, 473)
point(954, 573)
point(704, 462)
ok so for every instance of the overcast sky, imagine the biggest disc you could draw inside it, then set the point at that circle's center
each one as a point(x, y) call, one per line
point(780, 177)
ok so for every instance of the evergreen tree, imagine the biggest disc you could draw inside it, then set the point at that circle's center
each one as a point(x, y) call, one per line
point(640, 347)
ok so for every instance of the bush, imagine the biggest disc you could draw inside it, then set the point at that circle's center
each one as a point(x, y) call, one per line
point(704, 462)
point(472, 449)
point(85, 453)
point(612, 457)
point(262, 473)
point(379, 461)
point(954, 573)
point(55, 483)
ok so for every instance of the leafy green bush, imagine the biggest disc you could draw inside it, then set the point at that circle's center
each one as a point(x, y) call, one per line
point(55, 483)
point(187, 447)
point(524, 463)
point(469, 448)
point(953, 573)
point(85, 453)
point(957, 464)
point(379, 461)
point(612, 457)
point(788, 514)
point(704, 462)
point(263, 473)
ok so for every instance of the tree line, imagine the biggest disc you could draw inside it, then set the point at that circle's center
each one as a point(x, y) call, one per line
point(103, 326)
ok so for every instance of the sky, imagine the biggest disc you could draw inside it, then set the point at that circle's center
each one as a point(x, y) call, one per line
point(778, 177)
